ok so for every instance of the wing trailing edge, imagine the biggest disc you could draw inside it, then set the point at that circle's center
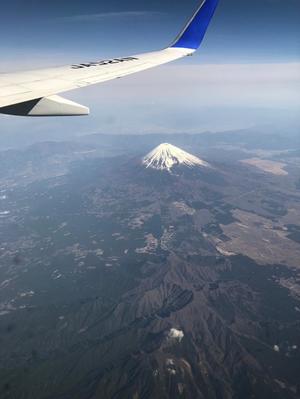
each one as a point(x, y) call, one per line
point(46, 106)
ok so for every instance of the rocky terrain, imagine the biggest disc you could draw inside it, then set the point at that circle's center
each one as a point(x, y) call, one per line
point(119, 280)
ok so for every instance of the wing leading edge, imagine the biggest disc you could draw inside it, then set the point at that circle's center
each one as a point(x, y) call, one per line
point(34, 93)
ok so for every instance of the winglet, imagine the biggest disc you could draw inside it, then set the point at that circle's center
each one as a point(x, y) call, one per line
point(192, 35)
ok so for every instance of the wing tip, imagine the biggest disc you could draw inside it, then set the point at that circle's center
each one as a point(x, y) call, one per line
point(193, 33)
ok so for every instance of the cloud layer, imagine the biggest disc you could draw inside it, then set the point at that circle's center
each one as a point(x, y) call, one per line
point(110, 15)
point(182, 99)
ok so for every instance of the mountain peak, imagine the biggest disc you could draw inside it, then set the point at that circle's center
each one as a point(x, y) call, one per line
point(165, 156)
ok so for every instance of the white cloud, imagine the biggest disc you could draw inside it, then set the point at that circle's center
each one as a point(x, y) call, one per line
point(109, 15)
point(175, 334)
point(276, 348)
point(171, 368)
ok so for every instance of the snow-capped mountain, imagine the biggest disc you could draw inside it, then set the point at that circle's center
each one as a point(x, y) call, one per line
point(166, 156)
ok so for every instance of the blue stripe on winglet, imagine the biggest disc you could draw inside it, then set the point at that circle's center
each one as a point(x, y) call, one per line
point(193, 34)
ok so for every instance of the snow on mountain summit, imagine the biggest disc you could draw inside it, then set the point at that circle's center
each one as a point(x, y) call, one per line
point(165, 156)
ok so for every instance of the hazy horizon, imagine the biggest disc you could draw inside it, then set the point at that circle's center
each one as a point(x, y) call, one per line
point(246, 74)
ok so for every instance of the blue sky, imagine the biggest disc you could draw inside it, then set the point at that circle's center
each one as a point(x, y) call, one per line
point(261, 35)
point(242, 31)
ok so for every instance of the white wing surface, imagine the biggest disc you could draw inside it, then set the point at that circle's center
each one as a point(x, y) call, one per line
point(34, 93)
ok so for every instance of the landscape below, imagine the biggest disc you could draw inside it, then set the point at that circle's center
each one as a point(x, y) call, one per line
point(169, 275)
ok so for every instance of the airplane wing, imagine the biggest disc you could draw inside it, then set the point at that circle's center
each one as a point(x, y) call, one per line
point(34, 93)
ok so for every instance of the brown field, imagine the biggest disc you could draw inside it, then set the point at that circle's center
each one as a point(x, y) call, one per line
point(276, 168)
